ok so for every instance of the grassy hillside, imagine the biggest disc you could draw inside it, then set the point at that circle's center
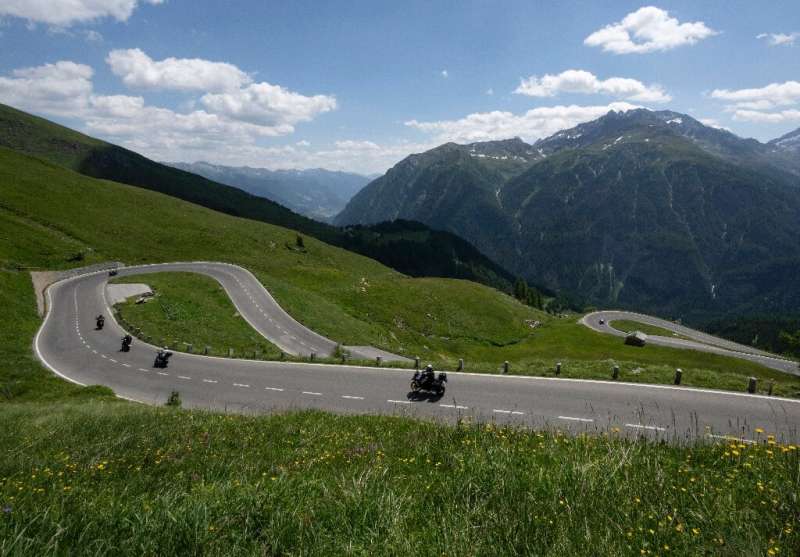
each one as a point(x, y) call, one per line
point(403, 246)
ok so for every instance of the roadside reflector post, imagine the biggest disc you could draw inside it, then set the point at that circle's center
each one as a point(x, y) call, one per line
point(505, 366)
point(558, 368)
point(770, 387)
point(378, 361)
point(416, 362)
point(678, 375)
point(230, 352)
point(615, 372)
point(752, 383)
point(460, 364)
point(206, 350)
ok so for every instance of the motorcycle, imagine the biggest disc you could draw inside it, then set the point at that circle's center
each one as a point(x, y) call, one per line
point(126, 343)
point(162, 358)
point(100, 322)
point(429, 382)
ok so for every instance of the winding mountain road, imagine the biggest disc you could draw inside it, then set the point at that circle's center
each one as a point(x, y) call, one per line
point(68, 344)
point(687, 338)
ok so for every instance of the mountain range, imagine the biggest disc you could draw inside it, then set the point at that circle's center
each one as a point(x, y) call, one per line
point(316, 193)
point(650, 210)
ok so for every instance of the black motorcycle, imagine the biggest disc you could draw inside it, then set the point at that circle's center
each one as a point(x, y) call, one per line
point(100, 320)
point(162, 358)
point(429, 382)
point(126, 343)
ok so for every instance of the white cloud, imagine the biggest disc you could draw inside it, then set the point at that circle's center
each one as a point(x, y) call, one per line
point(490, 91)
point(268, 105)
point(61, 89)
point(532, 125)
point(137, 69)
point(68, 12)
point(445, 74)
point(581, 81)
point(762, 104)
point(791, 115)
point(648, 29)
point(779, 39)
point(93, 36)
point(776, 93)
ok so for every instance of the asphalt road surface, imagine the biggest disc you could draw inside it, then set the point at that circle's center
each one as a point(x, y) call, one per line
point(694, 340)
point(69, 345)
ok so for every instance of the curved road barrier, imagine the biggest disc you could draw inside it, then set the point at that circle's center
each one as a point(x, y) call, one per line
point(69, 345)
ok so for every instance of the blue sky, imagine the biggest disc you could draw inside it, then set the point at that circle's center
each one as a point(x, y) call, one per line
point(359, 85)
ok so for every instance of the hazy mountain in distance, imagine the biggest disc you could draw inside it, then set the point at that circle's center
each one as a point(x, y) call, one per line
point(315, 193)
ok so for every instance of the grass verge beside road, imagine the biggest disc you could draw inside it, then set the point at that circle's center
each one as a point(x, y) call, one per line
point(133, 480)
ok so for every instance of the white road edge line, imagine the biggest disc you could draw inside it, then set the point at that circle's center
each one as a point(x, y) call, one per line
point(574, 419)
point(455, 406)
point(731, 438)
point(399, 401)
point(513, 412)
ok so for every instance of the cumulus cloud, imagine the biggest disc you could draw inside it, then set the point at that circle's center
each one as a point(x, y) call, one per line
point(268, 105)
point(776, 93)
point(648, 29)
point(65, 89)
point(532, 125)
point(776, 117)
point(762, 104)
point(445, 74)
point(137, 69)
point(68, 12)
point(779, 39)
point(62, 89)
point(581, 81)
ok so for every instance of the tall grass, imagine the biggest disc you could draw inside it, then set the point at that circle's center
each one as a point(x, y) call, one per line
point(129, 481)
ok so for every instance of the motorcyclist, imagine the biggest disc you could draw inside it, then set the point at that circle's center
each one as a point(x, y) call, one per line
point(126, 342)
point(100, 321)
point(428, 375)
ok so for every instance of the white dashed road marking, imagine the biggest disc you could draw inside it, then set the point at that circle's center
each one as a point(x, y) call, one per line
point(312, 393)
point(353, 397)
point(574, 419)
point(142, 369)
point(648, 427)
point(273, 389)
point(512, 412)
point(241, 385)
point(456, 406)
point(183, 377)
point(731, 438)
point(399, 401)
point(209, 380)
point(162, 373)
point(127, 365)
